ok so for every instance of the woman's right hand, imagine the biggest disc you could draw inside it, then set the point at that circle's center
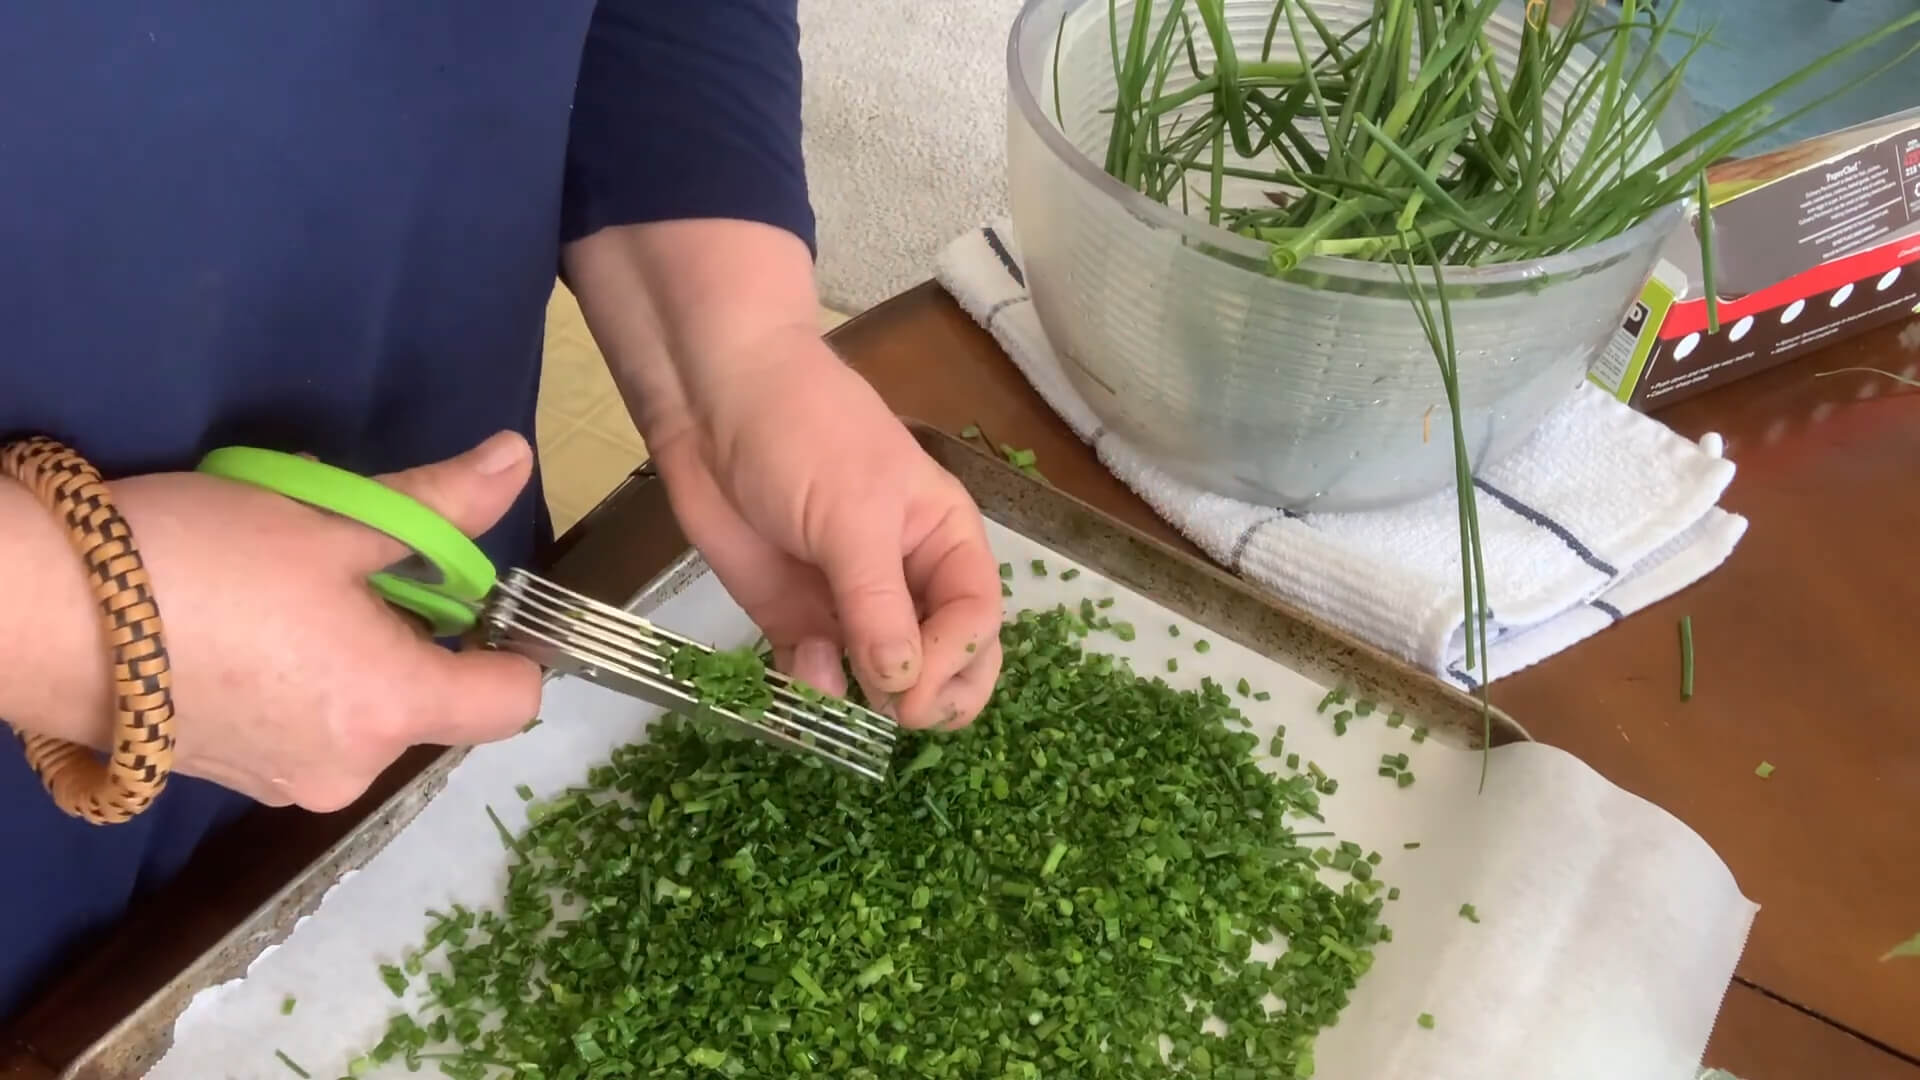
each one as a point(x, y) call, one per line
point(293, 681)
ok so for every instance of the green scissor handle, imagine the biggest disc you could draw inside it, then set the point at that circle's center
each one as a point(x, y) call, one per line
point(465, 574)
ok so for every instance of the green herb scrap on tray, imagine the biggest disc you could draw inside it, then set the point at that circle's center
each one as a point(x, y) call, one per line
point(1099, 864)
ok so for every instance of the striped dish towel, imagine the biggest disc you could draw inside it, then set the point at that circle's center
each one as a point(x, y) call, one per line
point(1572, 540)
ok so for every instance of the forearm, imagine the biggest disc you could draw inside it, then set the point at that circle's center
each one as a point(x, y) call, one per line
point(684, 309)
point(54, 681)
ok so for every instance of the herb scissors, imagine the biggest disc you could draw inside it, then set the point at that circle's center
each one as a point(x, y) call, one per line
point(451, 585)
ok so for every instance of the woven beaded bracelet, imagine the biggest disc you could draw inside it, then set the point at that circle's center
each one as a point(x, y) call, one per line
point(113, 790)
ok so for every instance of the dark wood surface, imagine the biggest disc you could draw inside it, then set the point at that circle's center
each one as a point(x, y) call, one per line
point(1806, 646)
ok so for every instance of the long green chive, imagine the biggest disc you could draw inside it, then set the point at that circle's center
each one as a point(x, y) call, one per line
point(292, 1065)
point(1686, 658)
point(1901, 379)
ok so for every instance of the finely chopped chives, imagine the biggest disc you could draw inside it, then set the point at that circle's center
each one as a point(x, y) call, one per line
point(805, 922)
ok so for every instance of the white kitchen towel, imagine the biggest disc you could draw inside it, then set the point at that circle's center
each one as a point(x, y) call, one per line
point(1601, 513)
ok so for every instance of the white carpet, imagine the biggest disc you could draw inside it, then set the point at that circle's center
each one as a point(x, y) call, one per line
point(905, 134)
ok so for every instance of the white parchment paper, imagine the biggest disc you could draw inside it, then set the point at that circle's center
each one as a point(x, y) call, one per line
point(1608, 930)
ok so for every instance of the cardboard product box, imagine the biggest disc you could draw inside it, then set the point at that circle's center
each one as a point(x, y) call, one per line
point(1812, 243)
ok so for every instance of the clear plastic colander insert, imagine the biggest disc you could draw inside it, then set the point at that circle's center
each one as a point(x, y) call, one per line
point(1317, 391)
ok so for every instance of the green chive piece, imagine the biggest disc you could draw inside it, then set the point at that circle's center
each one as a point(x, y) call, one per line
point(1173, 664)
point(1393, 893)
point(292, 1065)
point(286, 1005)
point(971, 431)
point(1763, 770)
point(1262, 695)
point(1173, 630)
point(1396, 718)
point(1411, 845)
point(1363, 708)
point(1467, 913)
point(1201, 646)
point(1006, 570)
point(1405, 779)
point(1123, 631)
point(1686, 658)
point(1005, 589)
point(1069, 573)
point(1426, 1021)
point(395, 979)
point(1293, 761)
point(1909, 947)
point(1244, 688)
point(1388, 771)
point(1039, 567)
point(1420, 734)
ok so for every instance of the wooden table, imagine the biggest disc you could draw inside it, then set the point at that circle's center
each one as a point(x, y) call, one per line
point(1807, 646)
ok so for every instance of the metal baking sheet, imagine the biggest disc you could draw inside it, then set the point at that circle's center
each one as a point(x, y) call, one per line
point(1182, 585)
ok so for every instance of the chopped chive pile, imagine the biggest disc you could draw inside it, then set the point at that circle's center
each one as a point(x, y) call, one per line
point(1083, 873)
point(733, 679)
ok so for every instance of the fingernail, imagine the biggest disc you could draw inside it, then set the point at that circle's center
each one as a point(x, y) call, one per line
point(893, 661)
point(500, 453)
point(816, 662)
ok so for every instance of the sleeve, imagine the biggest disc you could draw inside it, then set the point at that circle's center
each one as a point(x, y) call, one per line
point(688, 109)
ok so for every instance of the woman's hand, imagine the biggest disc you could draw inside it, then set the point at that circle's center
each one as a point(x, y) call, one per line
point(816, 508)
point(837, 533)
point(293, 681)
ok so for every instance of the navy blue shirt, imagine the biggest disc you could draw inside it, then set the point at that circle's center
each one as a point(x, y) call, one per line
point(330, 228)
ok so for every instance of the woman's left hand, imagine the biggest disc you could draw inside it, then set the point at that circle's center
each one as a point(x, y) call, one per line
point(837, 533)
